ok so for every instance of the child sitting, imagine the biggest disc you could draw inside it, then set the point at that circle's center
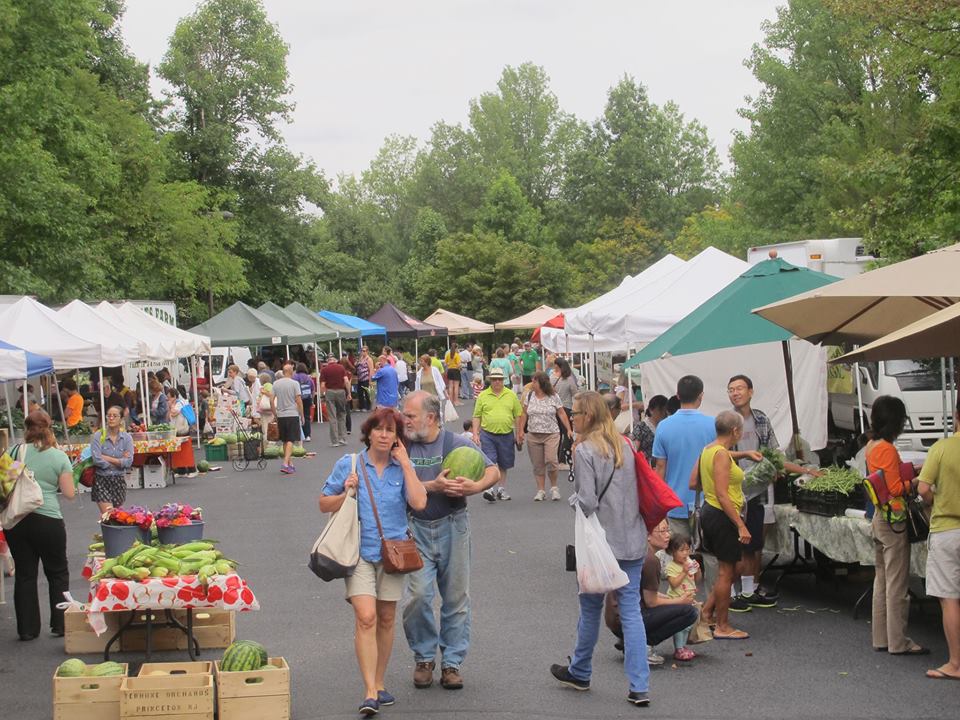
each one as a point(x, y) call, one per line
point(467, 430)
point(682, 574)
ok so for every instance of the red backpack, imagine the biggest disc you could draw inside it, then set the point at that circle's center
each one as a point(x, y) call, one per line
point(655, 496)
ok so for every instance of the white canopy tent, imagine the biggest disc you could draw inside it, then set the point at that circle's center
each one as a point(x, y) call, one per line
point(530, 320)
point(159, 345)
point(763, 364)
point(181, 343)
point(37, 328)
point(644, 311)
point(89, 324)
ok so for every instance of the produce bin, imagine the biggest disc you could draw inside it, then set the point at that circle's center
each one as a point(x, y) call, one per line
point(215, 453)
point(255, 694)
point(180, 534)
point(87, 698)
point(184, 697)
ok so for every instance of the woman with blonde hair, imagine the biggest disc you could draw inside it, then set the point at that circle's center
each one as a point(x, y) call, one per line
point(606, 484)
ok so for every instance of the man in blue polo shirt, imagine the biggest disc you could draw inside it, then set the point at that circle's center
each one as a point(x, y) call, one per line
point(388, 384)
point(677, 446)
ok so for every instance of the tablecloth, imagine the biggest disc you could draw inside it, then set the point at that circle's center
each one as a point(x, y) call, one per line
point(140, 447)
point(226, 592)
point(843, 539)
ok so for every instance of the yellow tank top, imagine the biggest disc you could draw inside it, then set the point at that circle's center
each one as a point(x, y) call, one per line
point(735, 488)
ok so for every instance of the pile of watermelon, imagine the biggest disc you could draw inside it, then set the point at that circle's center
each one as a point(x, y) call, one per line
point(75, 667)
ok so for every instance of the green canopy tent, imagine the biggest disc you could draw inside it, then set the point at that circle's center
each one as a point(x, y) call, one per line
point(303, 315)
point(727, 320)
point(241, 324)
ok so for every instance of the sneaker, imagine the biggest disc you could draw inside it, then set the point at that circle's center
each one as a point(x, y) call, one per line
point(760, 600)
point(384, 698)
point(451, 679)
point(739, 604)
point(490, 495)
point(653, 658)
point(502, 494)
point(562, 673)
point(541, 495)
point(640, 699)
point(369, 707)
point(770, 594)
point(344, 442)
point(286, 469)
point(554, 493)
point(423, 674)
point(307, 439)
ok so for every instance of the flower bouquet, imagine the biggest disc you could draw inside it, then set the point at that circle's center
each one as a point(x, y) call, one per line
point(178, 524)
point(121, 527)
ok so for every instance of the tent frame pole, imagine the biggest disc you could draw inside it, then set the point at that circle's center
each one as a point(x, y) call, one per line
point(63, 416)
point(103, 403)
point(629, 393)
point(145, 395)
point(316, 362)
point(196, 396)
point(6, 397)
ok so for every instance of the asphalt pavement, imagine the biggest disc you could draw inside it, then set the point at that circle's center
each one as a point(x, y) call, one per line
point(808, 658)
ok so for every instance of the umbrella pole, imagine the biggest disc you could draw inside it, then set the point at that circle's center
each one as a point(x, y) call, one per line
point(953, 396)
point(856, 379)
point(943, 393)
point(103, 403)
point(66, 430)
point(791, 396)
point(196, 396)
point(6, 396)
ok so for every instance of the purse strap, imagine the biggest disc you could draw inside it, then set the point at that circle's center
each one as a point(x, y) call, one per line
point(373, 503)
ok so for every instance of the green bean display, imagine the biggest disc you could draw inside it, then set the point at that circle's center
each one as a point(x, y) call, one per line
point(774, 456)
point(835, 479)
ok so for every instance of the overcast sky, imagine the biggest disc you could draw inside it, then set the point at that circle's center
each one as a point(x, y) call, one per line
point(362, 70)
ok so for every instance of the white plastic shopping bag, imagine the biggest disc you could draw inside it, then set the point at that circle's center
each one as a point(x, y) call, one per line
point(597, 569)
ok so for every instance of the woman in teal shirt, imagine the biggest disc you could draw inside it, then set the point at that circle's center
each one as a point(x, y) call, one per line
point(41, 536)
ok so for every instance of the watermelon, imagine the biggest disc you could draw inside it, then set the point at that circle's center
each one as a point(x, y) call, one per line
point(203, 466)
point(73, 667)
point(465, 462)
point(243, 656)
point(106, 669)
point(298, 452)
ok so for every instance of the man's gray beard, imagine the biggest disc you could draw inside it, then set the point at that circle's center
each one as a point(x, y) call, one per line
point(416, 435)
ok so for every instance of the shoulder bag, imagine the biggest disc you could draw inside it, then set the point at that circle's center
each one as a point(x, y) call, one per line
point(399, 556)
point(656, 498)
point(336, 552)
point(25, 496)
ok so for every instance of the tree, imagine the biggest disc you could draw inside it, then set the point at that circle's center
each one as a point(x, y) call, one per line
point(227, 65)
point(508, 214)
point(622, 247)
point(725, 227)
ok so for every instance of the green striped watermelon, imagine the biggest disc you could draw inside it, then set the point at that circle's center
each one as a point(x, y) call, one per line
point(242, 656)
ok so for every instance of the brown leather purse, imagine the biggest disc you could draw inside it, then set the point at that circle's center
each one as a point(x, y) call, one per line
point(398, 556)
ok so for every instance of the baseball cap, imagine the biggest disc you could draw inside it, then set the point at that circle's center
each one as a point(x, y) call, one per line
point(495, 374)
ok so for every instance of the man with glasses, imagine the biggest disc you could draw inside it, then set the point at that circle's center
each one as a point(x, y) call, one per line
point(442, 532)
point(662, 616)
point(497, 430)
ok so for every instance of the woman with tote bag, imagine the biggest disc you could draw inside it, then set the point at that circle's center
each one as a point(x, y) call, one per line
point(391, 480)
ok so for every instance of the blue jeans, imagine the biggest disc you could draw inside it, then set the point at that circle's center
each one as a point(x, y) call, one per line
point(466, 384)
point(444, 545)
point(635, 665)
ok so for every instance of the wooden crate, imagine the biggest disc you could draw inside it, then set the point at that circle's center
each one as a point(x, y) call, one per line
point(163, 638)
point(200, 667)
point(255, 694)
point(172, 697)
point(79, 638)
point(212, 628)
point(87, 698)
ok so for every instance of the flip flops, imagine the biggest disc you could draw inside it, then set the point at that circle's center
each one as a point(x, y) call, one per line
point(941, 675)
point(735, 635)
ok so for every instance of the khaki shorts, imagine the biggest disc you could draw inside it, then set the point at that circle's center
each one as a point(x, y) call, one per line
point(543, 452)
point(943, 564)
point(370, 579)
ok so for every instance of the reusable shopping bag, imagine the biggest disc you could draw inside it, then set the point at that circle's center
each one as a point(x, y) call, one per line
point(336, 552)
point(25, 495)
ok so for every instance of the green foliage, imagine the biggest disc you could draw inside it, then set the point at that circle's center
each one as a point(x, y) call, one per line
point(725, 228)
point(621, 247)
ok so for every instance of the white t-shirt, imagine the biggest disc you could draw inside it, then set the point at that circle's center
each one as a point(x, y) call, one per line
point(401, 368)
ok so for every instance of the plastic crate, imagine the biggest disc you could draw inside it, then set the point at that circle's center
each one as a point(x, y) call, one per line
point(829, 504)
point(215, 453)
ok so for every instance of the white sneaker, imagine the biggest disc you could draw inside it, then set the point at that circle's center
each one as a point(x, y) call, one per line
point(653, 658)
point(541, 495)
point(306, 439)
point(502, 494)
point(554, 493)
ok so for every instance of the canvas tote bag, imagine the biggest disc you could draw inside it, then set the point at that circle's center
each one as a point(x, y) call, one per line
point(26, 495)
point(336, 552)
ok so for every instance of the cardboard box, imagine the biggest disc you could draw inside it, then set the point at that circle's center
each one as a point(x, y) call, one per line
point(87, 698)
point(255, 694)
point(79, 638)
point(188, 696)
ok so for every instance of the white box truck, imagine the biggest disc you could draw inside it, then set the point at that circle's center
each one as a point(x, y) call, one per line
point(840, 257)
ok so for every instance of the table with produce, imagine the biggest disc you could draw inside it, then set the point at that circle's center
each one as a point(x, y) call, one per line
point(829, 513)
point(164, 566)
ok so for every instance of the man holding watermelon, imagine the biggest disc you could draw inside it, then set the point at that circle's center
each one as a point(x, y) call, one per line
point(451, 468)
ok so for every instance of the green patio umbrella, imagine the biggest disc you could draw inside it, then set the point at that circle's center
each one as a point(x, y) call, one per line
point(727, 319)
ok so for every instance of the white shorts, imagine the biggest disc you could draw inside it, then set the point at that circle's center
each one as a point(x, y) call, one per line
point(943, 564)
point(370, 579)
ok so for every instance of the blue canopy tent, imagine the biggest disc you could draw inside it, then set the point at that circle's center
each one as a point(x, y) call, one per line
point(366, 328)
point(19, 364)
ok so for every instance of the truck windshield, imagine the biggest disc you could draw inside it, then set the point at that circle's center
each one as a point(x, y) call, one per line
point(914, 375)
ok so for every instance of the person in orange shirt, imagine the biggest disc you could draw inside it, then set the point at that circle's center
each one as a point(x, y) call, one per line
point(891, 606)
point(74, 406)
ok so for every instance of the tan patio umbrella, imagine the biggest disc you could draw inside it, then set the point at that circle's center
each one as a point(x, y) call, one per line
point(866, 307)
point(936, 335)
